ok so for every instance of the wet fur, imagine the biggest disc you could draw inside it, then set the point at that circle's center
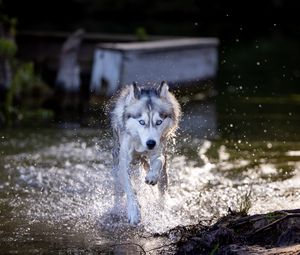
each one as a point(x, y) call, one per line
point(131, 105)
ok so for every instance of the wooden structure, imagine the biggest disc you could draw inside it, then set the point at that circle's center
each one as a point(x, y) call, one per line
point(44, 48)
point(183, 61)
point(68, 75)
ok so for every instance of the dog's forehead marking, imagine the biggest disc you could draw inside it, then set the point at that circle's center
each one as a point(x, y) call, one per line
point(149, 106)
point(161, 106)
point(154, 102)
point(136, 108)
point(149, 93)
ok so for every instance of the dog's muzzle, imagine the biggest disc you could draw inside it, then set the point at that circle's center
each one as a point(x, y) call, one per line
point(150, 144)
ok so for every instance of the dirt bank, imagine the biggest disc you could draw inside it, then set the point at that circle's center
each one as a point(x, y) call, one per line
point(276, 232)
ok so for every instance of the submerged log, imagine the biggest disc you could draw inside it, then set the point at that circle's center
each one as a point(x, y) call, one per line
point(272, 233)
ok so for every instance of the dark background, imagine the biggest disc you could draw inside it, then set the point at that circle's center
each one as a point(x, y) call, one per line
point(259, 50)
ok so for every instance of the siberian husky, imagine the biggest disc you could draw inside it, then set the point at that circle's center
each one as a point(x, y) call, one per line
point(142, 119)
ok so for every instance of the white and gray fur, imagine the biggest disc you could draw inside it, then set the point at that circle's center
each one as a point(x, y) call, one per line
point(143, 119)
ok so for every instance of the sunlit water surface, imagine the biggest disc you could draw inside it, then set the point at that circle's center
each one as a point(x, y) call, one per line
point(56, 188)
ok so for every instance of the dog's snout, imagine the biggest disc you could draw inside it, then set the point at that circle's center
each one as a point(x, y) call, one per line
point(150, 144)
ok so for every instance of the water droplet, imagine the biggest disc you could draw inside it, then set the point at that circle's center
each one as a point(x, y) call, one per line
point(269, 145)
point(258, 63)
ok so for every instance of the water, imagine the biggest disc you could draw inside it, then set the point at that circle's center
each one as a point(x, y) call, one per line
point(56, 187)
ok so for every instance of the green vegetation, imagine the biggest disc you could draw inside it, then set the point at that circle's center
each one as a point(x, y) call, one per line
point(7, 48)
point(265, 66)
point(141, 34)
point(215, 249)
point(271, 216)
point(25, 92)
point(245, 204)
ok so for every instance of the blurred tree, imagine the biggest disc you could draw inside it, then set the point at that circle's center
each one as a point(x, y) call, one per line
point(8, 49)
point(237, 24)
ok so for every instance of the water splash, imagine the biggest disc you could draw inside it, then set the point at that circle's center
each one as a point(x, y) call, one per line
point(60, 193)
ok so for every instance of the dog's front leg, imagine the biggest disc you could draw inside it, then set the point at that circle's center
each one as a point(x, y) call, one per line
point(117, 182)
point(125, 157)
point(156, 164)
point(163, 180)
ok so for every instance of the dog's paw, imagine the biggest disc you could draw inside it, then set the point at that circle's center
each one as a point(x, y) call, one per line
point(151, 178)
point(133, 213)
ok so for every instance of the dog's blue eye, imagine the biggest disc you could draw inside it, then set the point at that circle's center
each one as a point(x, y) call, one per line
point(158, 122)
point(142, 122)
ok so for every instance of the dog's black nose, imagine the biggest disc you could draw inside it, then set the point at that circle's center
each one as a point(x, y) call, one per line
point(150, 144)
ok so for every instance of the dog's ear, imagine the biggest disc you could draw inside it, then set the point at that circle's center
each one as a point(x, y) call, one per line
point(134, 92)
point(163, 89)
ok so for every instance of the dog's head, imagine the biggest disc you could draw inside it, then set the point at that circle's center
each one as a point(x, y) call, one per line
point(151, 115)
